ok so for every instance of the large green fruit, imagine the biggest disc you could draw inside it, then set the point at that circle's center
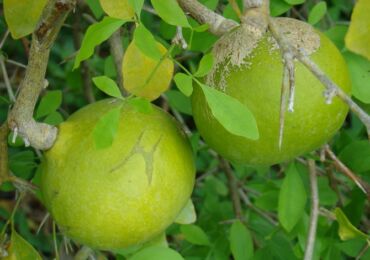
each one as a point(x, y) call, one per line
point(122, 195)
point(251, 71)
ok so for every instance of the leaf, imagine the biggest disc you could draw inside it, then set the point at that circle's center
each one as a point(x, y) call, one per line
point(95, 8)
point(292, 199)
point(20, 249)
point(358, 36)
point(137, 5)
point(356, 156)
point(143, 76)
point(146, 43)
point(195, 235)
point(170, 12)
point(184, 83)
point(231, 114)
point(140, 104)
point(157, 253)
point(359, 69)
point(54, 118)
point(22, 16)
point(106, 129)
point(95, 35)
point(241, 242)
point(346, 229)
point(179, 101)
point(49, 103)
point(205, 65)
point(118, 9)
point(317, 13)
point(108, 86)
point(187, 214)
point(278, 7)
point(295, 2)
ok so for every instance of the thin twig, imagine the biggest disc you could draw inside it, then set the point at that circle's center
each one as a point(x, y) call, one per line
point(365, 187)
point(117, 52)
point(16, 63)
point(39, 135)
point(314, 214)
point(218, 24)
point(3, 40)
point(233, 188)
point(6, 79)
point(4, 164)
point(179, 38)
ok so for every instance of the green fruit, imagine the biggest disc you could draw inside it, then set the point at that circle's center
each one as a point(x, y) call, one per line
point(251, 71)
point(122, 195)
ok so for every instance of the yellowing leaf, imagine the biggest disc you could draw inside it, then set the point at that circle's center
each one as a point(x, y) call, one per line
point(346, 229)
point(118, 9)
point(144, 76)
point(20, 249)
point(358, 36)
point(22, 16)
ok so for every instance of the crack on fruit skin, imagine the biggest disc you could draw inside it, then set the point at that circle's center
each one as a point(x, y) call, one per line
point(147, 156)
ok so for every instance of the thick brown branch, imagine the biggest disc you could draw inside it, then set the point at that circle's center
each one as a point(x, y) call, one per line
point(339, 165)
point(39, 135)
point(233, 188)
point(218, 24)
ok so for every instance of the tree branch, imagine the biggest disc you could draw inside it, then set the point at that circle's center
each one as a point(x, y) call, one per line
point(4, 167)
point(117, 52)
point(311, 237)
point(39, 135)
point(218, 24)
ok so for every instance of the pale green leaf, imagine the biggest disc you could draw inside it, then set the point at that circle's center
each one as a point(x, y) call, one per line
point(184, 83)
point(358, 36)
point(49, 103)
point(292, 199)
point(231, 114)
point(95, 35)
point(205, 65)
point(141, 104)
point(22, 16)
point(137, 5)
point(170, 12)
point(195, 235)
point(317, 13)
point(106, 129)
point(346, 229)
point(108, 86)
point(187, 214)
point(20, 249)
point(157, 253)
point(241, 242)
point(146, 43)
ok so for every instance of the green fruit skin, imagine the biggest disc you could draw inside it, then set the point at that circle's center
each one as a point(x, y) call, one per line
point(104, 198)
point(311, 124)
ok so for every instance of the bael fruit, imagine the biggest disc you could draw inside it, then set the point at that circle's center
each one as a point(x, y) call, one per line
point(122, 195)
point(251, 71)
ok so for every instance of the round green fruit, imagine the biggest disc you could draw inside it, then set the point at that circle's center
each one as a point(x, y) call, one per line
point(248, 66)
point(122, 195)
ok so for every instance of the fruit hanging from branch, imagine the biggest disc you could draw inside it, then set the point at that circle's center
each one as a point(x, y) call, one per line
point(249, 67)
point(122, 195)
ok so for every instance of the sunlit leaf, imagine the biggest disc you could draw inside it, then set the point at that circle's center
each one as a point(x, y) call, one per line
point(317, 13)
point(205, 65)
point(170, 12)
point(20, 249)
point(187, 214)
point(118, 9)
point(106, 129)
point(108, 86)
point(145, 41)
point(346, 229)
point(184, 83)
point(155, 252)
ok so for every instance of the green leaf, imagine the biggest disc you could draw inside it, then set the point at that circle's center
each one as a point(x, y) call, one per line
point(187, 214)
point(95, 35)
point(137, 5)
point(278, 7)
point(346, 229)
point(359, 68)
point(356, 156)
point(141, 104)
point(201, 28)
point(292, 199)
point(205, 65)
point(241, 242)
point(54, 118)
point(295, 2)
point(184, 83)
point(22, 16)
point(145, 41)
point(170, 12)
point(118, 9)
point(195, 235)
point(108, 86)
point(358, 36)
point(95, 8)
point(157, 253)
point(20, 249)
point(106, 129)
point(231, 114)
point(317, 13)
point(179, 101)
point(49, 103)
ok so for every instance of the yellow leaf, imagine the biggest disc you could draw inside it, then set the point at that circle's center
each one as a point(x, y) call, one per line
point(358, 35)
point(22, 16)
point(120, 9)
point(144, 76)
